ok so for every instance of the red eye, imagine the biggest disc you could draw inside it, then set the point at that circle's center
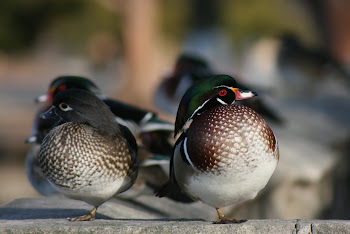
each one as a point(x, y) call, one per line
point(61, 87)
point(223, 92)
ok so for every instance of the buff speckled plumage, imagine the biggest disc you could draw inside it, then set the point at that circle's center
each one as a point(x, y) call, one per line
point(74, 156)
point(88, 156)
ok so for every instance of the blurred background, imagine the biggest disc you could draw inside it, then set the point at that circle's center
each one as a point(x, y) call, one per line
point(296, 53)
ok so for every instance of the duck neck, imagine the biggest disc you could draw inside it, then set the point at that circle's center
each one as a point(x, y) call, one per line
point(106, 124)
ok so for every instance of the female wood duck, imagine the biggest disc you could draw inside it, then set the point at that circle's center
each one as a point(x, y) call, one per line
point(90, 157)
point(227, 154)
point(189, 69)
point(139, 121)
point(153, 135)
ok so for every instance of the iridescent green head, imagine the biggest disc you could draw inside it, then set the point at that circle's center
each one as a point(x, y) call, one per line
point(206, 94)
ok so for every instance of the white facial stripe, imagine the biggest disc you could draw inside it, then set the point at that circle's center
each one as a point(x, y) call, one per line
point(221, 101)
point(222, 86)
point(186, 153)
point(196, 110)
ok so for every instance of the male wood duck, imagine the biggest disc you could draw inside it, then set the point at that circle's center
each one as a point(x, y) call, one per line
point(90, 157)
point(227, 154)
point(189, 69)
point(152, 134)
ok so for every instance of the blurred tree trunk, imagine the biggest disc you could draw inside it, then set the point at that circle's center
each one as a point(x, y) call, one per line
point(332, 19)
point(338, 15)
point(140, 37)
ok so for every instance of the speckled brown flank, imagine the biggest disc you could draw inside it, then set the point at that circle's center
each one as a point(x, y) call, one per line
point(227, 130)
point(267, 133)
point(76, 153)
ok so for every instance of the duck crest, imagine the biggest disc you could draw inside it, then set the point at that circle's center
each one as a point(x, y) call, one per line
point(69, 82)
point(197, 96)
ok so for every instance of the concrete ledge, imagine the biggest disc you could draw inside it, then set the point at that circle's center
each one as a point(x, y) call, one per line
point(48, 215)
point(172, 226)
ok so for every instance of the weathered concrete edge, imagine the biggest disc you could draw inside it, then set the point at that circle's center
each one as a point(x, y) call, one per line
point(173, 226)
point(322, 226)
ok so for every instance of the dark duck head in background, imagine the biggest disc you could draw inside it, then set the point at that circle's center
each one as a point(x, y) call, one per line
point(190, 69)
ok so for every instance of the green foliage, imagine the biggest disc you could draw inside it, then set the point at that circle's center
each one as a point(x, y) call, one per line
point(242, 19)
point(20, 21)
point(174, 18)
point(74, 30)
point(72, 22)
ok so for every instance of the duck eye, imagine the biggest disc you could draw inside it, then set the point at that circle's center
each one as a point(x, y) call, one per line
point(65, 107)
point(61, 87)
point(223, 92)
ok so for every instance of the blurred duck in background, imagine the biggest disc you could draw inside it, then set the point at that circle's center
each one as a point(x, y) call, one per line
point(285, 66)
point(154, 136)
point(189, 69)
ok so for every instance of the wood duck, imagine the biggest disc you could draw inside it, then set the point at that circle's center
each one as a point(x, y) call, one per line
point(153, 135)
point(289, 67)
point(227, 154)
point(303, 68)
point(90, 157)
point(138, 121)
point(190, 69)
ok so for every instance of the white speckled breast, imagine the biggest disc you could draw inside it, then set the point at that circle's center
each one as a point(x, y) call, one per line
point(83, 164)
point(232, 152)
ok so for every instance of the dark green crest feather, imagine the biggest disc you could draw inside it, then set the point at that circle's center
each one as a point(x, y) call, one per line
point(77, 82)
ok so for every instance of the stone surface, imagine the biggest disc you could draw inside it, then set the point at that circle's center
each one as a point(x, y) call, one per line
point(48, 215)
point(322, 226)
point(145, 226)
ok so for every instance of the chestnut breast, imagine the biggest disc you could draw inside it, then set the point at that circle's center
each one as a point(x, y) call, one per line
point(230, 136)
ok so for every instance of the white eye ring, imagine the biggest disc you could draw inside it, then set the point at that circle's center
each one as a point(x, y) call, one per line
point(65, 107)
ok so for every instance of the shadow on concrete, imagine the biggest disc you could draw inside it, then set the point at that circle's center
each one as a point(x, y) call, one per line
point(165, 220)
point(38, 213)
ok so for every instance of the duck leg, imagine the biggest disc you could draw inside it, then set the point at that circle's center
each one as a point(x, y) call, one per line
point(222, 219)
point(89, 217)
